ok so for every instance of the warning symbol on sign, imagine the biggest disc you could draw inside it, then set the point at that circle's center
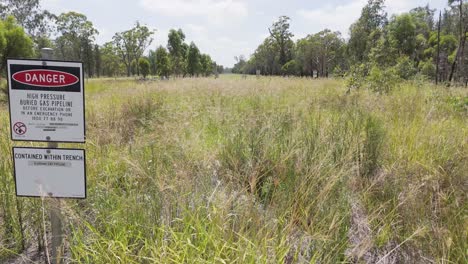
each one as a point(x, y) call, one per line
point(19, 128)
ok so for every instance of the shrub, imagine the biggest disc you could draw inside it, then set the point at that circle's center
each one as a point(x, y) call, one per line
point(404, 68)
point(144, 66)
point(427, 68)
point(382, 81)
point(356, 76)
point(338, 72)
point(290, 68)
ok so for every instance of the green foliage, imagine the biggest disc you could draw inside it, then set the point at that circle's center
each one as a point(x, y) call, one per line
point(366, 31)
point(177, 50)
point(144, 65)
point(384, 53)
point(219, 69)
point(76, 39)
point(240, 65)
point(375, 78)
point(163, 64)
point(382, 80)
point(131, 44)
point(14, 43)
point(320, 52)
point(290, 68)
point(133, 67)
point(371, 149)
point(338, 72)
point(404, 68)
point(403, 30)
point(37, 23)
point(459, 103)
point(423, 17)
point(448, 43)
point(427, 68)
point(3, 92)
point(265, 59)
point(280, 32)
point(110, 60)
point(356, 76)
point(152, 61)
point(207, 65)
point(193, 60)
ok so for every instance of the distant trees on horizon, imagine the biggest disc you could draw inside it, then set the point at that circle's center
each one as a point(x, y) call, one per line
point(403, 45)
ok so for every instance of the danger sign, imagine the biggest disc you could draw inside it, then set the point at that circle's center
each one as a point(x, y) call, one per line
point(46, 100)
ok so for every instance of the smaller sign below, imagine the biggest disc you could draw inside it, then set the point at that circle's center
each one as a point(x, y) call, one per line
point(42, 172)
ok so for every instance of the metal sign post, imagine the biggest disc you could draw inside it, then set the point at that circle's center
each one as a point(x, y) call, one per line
point(46, 104)
point(54, 208)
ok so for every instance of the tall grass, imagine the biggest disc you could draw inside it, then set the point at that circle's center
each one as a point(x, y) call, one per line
point(267, 170)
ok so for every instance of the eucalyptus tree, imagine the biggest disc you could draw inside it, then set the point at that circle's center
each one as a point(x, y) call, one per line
point(280, 32)
point(319, 52)
point(206, 64)
point(402, 30)
point(266, 57)
point(177, 50)
point(110, 60)
point(144, 66)
point(152, 61)
point(329, 48)
point(97, 60)
point(193, 60)
point(131, 44)
point(366, 31)
point(163, 63)
point(76, 39)
point(240, 64)
point(462, 35)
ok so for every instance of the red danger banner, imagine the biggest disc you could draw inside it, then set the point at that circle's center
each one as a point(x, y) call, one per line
point(45, 78)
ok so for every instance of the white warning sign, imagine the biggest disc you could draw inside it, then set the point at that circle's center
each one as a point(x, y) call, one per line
point(42, 172)
point(46, 100)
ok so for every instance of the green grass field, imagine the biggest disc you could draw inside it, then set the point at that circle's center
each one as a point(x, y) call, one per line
point(268, 170)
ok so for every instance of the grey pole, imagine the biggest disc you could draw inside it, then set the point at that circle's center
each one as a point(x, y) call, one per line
point(54, 204)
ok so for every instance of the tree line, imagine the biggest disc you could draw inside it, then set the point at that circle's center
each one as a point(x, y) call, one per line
point(25, 28)
point(416, 43)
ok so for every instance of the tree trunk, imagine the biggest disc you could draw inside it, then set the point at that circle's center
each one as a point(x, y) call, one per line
point(460, 48)
point(461, 44)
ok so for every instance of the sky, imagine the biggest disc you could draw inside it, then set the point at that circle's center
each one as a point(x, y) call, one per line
point(224, 28)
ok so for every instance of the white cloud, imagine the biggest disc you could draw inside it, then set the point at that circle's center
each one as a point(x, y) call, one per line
point(400, 6)
point(56, 6)
point(214, 11)
point(333, 17)
point(104, 35)
point(196, 28)
point(340, 17)
point(221, 48)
